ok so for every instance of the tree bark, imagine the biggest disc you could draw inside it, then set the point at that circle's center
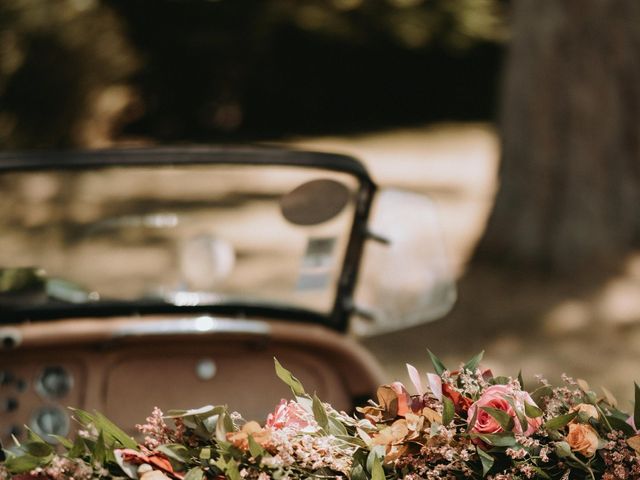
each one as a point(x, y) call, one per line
point(569, 196)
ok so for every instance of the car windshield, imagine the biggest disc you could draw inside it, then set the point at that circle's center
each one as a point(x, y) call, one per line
point(181, 234)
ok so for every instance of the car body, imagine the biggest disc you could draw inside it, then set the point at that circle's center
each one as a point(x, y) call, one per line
point(172, 277)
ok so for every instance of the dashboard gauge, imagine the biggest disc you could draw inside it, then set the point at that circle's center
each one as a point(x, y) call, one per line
point(54, 382)
point(50, 420)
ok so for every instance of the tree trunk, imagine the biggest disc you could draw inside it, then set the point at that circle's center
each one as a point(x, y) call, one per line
point(569, 197)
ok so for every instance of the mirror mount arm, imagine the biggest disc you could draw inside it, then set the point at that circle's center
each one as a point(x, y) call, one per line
point(371, 235)
point(352, 309)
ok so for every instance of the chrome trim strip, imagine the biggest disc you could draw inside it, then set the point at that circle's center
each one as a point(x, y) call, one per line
point(204, 324)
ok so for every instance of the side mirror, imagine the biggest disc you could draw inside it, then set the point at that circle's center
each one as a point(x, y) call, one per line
point(405, 278)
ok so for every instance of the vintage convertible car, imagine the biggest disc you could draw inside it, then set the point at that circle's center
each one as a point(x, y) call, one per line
point(172, 277)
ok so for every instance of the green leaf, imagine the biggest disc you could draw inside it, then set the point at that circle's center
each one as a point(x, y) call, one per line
point(472, 364)
point(287, 377)
point(437, 363)
point(376, 452)
point(99, 449)
point(497, 439)
point(541, 392)
point(25, 463)
point(110, 430)
point(231, 470)
point(619, 424)
point(78, 449)
point(559, 422)
point(37, 448)
point(357, 473)
point(532, 411)
point(65, 442)
point(175, 451)
point(522, 419)
point(205, 453)
point(254, 448)
point(521, 380)
point(486, 459)
point(541, 473)
point(377, 472)
point(194, 474)
point(500, 380)
point(448, 411)
point(319, 413)
point(636, 407)
point(500, 416)
point(336, 427)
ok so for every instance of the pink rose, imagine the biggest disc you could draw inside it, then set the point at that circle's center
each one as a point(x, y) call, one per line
point(289, 415)
point(496, 397)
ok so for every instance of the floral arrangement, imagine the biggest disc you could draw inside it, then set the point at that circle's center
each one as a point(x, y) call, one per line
point(461, 424)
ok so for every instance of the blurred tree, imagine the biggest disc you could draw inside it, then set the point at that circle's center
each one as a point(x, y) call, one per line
point(570, 172)
point(65, 67)
point(75, 72)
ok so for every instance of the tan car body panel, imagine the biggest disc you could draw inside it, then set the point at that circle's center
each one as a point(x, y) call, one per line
point(125, 366)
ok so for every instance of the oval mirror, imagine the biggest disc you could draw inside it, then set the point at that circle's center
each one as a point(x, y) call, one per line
point(314, 202)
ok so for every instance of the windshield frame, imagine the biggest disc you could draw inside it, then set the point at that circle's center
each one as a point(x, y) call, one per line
point(202, 155)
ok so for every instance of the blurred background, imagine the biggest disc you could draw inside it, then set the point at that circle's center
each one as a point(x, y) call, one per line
point(520, 118)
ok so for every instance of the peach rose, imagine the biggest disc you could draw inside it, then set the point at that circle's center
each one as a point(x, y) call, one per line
point(582, 439)
point(496, 397)
point(590, 410)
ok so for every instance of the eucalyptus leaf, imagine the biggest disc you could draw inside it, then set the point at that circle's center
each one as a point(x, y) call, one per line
point(110, 429)
point(319, 413)
point(357, 473)
point(503, 418)
point(448, 412)
point(541, 473)
point(500, 380)
point(336, 427)
point(254, 448)
point(99, 449)
point(287, 377)
point(376, 452)
point(532, 411)
point(377, 472)
point(560, 421)
point(540, 393)
point(175, 451)
point(78, 449)
point(497, 439)
point(231, 470)
point(437, 363)
point(472, 364)
point(25, 463)
point(207, 409)
point(37, 448)
point(65, 442)
point(486, 459)
point(194, 474)
point(619, 424)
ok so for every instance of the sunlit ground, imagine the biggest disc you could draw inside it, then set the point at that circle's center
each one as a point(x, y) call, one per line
point(546, 327)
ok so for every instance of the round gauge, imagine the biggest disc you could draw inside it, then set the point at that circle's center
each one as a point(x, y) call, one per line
point(50, 420)
point(54, 382)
